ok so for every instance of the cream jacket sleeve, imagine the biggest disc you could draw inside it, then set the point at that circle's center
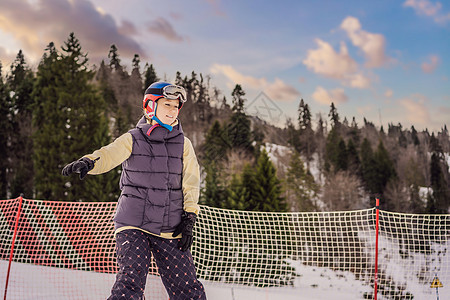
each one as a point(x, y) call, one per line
point(191, 178)
point(118, 151)
point(112, 155)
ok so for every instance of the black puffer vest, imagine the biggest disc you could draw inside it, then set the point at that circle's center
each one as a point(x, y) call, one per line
point(151, 180)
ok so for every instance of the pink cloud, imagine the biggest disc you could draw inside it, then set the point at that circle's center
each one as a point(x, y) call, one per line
point(372, 44)
point(429, 9)
point(429, 67)
point(163, 27)
point(277, 90)
point(323, 96)
point(416, 110)
point(45, 21)
point(337, 65)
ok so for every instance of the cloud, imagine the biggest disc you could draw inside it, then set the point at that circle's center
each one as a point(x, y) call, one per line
point(236, 77)
point(162, 27)
point(416, 110)
point(323, 96)
point(35, 24)
point(365, 110)
point(358, 80)
point(372, 44)
point(215, 4)
point(327, 62)
point(429, 67)
point(127, 28)
point(427, 8)
point(277, 90)
point(388, 93)
point(6, 58)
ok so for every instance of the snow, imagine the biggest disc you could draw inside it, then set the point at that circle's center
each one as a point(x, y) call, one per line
point(31, 282)
point(405, 267)
point(423, 193)
point(323, 283)
point(275, 151)
point(314, 168)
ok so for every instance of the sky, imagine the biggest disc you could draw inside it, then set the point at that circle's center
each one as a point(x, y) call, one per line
point(385, 61)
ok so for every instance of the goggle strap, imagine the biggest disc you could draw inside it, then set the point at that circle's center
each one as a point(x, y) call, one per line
point(146, 102)
point(163, 91)
point(155, 91)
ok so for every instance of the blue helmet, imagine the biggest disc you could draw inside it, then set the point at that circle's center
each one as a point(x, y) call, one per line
point(159, 90)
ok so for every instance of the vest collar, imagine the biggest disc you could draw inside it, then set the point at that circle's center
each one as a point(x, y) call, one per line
point(157, 131)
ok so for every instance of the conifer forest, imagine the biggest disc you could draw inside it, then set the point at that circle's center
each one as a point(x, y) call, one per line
point(68, 106)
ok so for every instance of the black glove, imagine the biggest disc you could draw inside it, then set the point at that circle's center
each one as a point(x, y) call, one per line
point(185, 228)
point(82, 166)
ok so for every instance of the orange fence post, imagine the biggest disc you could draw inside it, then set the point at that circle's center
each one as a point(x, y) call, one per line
point(12, 245)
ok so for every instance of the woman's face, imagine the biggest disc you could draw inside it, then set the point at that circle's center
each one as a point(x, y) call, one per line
point(167, 110)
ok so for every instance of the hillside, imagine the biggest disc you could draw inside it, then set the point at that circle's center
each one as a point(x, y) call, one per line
point(326, 163)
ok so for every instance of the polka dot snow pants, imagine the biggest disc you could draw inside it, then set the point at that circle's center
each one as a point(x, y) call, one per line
point(176, 268)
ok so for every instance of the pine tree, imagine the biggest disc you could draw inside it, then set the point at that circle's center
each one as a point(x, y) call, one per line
point(402, 141)
point(178, 78)
point(86, 124)
point(319, 138)
point(136, 62)
point(247, 188)
point(136, 77)
point(204, 103)
point(353, 160)
point(332, 150)
point(214, 152)
point(301, 186)
point(266, 191)
point(342, 156)
point(377, 170)
point(239, 126)
point(150, 76)
point(114, 60)
point(304, 116)
point(354, 132)
point(439, 199)
point(414, 179)
point(385, 168)
point(238, 99)
point(293, 135)
point(127, 90)
point(69, 122)
point(334, 116)
point(345, 122)
point(5, 133)
point(306, 143)
point(237, 195)
point(368, 167)
point(216, 144)
point(20, 83)
point(214, 192)
point(48, 122)
point(103, 76)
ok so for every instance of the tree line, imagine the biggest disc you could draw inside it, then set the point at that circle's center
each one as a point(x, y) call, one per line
point(67, 108)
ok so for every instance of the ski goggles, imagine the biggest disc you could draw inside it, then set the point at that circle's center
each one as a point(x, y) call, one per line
point(172, 92)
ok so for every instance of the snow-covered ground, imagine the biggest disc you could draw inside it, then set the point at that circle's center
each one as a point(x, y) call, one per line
point(30, 282)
